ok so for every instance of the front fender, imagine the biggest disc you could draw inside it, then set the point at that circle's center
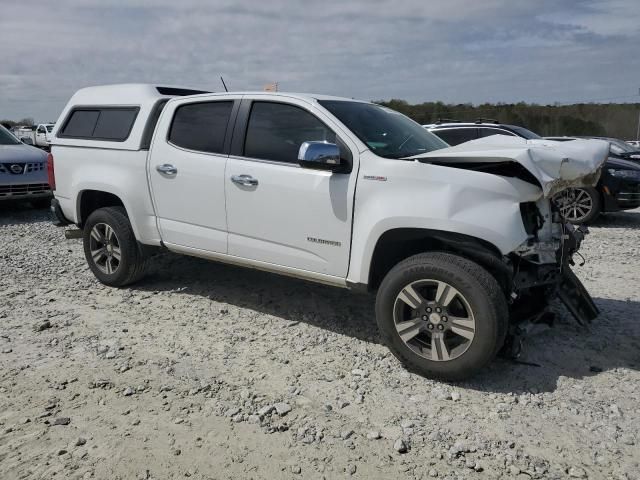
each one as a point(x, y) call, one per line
point(424, 196)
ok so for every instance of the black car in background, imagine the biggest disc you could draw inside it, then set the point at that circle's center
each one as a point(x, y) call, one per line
point(620, 149)
point(620, 180)
point(618, 187)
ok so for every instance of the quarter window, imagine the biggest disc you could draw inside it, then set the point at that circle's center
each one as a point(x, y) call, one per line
point(276, 131)
point(201, 126)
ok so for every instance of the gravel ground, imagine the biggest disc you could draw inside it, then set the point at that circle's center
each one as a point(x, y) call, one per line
point(214, 372)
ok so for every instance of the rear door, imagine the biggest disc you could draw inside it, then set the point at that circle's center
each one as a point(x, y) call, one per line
point(186, 172)
point(284, 214)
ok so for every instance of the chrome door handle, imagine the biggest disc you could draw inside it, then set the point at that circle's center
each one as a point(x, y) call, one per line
point(246, 180)
point(167, 169)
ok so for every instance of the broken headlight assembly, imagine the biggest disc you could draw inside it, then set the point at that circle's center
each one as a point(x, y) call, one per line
point(545, 230)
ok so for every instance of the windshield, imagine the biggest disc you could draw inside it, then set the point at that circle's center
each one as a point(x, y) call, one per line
point(49, 128)
point(619, 147)
point(386, 132)
point(6, 138)
point(524, 133)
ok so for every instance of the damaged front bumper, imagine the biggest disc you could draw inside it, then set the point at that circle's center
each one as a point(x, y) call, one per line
point(543, 265)
point(576, 298)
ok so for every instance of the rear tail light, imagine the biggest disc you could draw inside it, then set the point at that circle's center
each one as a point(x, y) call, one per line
point(50, 172)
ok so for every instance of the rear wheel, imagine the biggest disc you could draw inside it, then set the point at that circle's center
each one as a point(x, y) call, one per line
point(442, 315)
point(579, 205)
point(111, 249)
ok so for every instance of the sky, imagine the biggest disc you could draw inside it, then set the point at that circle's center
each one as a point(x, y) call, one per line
point(455, 51)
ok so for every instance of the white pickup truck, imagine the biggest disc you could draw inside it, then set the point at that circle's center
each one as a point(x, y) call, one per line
point(38, 136)
point(461, 244)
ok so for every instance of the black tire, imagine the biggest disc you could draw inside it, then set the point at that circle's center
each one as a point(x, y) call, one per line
point(133, 261)
point(480, 291)
point(40, 203)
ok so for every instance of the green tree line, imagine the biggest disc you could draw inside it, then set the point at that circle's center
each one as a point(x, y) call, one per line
point(9, 124)
point(619, 120)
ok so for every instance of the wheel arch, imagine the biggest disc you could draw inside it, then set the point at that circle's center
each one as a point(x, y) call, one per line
point(89, 200)
point(397, 244)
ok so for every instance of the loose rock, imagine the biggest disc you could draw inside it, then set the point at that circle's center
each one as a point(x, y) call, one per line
point(282, 408)
point(400, 446)
point(61, 421)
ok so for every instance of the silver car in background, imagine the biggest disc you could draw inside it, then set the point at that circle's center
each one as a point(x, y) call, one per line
point(23, 171)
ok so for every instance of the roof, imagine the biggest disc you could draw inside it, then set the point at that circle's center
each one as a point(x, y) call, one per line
point(128, 93)
point(467, 124)
point(561, 138)
point(141, 93)
point(145, 97)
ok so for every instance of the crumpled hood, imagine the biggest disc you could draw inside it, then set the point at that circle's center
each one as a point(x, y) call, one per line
point(556, 165)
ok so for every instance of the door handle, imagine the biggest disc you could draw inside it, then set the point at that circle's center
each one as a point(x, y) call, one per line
point(167, 169)
point(246, 180)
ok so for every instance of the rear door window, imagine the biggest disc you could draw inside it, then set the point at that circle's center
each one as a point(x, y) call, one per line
point(201, 126)
point(456, 136)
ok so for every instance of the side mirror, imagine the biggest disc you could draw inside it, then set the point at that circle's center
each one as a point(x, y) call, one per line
point(319, 155)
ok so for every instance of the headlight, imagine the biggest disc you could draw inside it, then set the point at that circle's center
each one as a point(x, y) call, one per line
point(630, 174)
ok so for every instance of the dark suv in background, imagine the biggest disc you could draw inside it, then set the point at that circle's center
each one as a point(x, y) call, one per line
point(23, 172)
point(618, 188)
point(455, 133)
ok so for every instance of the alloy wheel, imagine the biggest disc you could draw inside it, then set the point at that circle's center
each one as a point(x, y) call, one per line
point(105, 248)
point(434, 320)
point(575, 204)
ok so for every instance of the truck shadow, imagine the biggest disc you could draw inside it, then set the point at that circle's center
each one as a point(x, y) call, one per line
point(14, 212)
point(569, 350)
point(290, 299)
point(566, 350)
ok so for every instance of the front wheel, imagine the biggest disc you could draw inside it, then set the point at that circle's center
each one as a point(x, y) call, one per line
point(111, 249)
point(442, 315)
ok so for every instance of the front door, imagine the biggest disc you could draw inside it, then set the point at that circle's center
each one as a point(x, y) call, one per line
point(186, 171)
point(277, 211)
